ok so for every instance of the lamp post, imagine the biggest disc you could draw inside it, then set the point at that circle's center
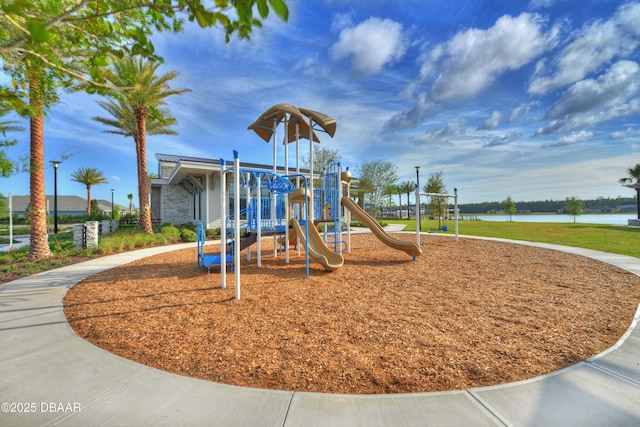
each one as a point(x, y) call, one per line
point(55, 164)
point(417, 199)
point(112, 205)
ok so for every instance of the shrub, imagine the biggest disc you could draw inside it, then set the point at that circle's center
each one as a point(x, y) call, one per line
point(188, 235)
point(212, 233)
point(187, 225)
point(171, 232)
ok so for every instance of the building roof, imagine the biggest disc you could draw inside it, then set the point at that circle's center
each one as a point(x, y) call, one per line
point(173, 158)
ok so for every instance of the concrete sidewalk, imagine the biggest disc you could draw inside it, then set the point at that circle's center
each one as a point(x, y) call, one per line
point(49, 376)
point(18, 242)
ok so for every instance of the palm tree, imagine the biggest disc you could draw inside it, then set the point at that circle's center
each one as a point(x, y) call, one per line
point(633, 181)
point(399, 192)
point(390, 190)
point(39, 238)
point(6, 166)
point(88, 177)
point(137, 111)
point(407, 187)
point(130, 197)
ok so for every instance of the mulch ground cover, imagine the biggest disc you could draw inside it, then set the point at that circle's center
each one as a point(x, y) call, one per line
point(464, 314)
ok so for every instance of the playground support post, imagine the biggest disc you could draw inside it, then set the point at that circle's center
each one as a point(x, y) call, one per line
point(248, 199)
point(236, 222)
point(10, 222)
point(223, 226)
point(454, 196)
point(259, 220)
point(455, 210)
point(311, 207)
point(417, 188)
point(273, 196)
point(285, 207)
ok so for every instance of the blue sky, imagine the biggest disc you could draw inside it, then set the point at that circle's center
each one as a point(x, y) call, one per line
point(535, 99)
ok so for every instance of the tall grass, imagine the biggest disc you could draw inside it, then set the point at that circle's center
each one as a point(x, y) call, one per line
point(124, 240)
point(63, 251)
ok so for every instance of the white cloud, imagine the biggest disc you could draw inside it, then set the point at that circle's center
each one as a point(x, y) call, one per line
point(371, 45)
point(595, 45)
point(541, 4)
point(307, 66)
point(492, 122)
point(437, 136)
point(624, 134)
point(502, 139)
point(422, 109)
point(472, 60)
point(572, 138)
point(593, 101)
point(522, 110)
point(341, 21)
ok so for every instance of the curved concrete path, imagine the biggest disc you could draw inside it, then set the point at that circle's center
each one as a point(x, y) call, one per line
point(49, 376)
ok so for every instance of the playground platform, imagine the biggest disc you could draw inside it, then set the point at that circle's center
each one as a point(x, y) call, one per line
point(49, 376)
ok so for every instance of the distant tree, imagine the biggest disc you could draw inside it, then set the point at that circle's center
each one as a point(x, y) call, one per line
point(509, 207)
point(390, 190)
point(399, 192)
point(89, 177)
point(407, 188)
point(6, 165)
point(130, 197)
point(575, 207)
point(27, 214)
point(379, 174)
point(363, 187)
point(438, 204)
point(116, 212)
point(95, 208)
point(4, 207)
point(323, 157)
point(632, 180)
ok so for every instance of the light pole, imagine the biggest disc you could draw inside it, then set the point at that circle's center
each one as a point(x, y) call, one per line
point(112, 205)
point(417, 199)
point(55, 164)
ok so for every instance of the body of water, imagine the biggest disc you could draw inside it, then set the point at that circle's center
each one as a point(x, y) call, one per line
point(616, 219)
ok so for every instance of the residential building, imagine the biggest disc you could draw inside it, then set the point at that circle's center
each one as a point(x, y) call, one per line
point(188, 189)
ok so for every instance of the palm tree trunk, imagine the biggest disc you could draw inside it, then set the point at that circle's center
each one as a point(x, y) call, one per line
point(88, 200)
point(143, 175)
point(408, 210)
point(38, 202)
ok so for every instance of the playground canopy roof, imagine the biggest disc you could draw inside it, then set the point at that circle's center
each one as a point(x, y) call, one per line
point(264, 125)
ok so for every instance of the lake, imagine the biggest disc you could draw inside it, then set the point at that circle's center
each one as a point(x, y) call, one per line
point(617, 219)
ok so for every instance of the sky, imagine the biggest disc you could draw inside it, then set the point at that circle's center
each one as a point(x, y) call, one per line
point(534, 99)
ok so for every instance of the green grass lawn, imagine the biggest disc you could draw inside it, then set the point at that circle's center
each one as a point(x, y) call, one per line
point(608, 238)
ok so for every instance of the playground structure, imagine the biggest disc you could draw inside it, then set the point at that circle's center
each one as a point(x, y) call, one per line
point(287, 206)
point(456, 213)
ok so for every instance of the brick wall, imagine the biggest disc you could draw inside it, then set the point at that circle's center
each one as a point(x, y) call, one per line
point(177, 204)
